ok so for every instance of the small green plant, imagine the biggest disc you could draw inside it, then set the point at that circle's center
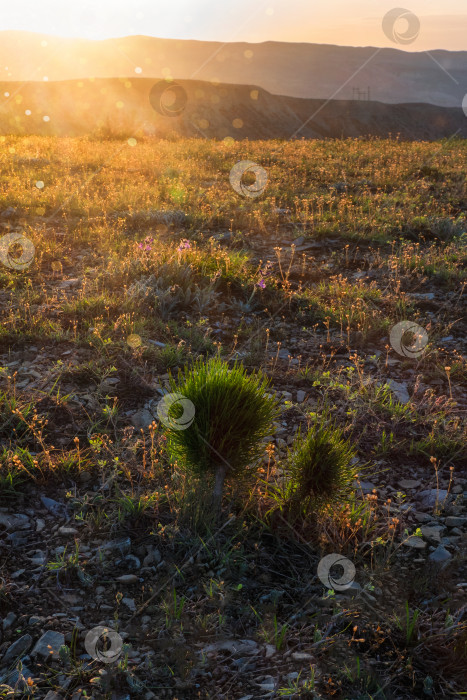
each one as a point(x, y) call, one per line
point(409, 625)
point(232, 415)
point(173, 608)
point(320, 467)
point(297, 687)
point(65, 562)
point(131, 506)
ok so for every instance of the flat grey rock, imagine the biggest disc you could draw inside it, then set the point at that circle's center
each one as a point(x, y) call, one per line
point(17, 649)
point(440, 555)
point(48, 646)
point(431, 497)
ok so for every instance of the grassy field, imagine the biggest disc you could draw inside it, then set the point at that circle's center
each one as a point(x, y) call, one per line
point(146, 259)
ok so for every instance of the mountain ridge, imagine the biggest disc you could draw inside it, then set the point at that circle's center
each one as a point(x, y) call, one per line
point(293, 69)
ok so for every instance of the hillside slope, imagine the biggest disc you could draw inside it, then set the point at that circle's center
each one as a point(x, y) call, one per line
point(123, 107)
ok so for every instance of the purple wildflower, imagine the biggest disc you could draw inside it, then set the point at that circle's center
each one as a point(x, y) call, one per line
point(184, 245)
point(261, 284)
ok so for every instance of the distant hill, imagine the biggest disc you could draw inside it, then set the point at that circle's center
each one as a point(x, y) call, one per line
point(124, 108)
point(293, 69)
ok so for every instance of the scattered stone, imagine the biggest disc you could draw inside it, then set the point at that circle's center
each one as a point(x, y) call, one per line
point(48, 646)
point(17, 649)
point(67, 531)
point(127, 578)
point(455, 521)
point(433, 532)
point(35, 620)
point(15, 522)
point(440, 555)
point(39, 558)
point(152, 557)
point(365, 486)
point(8, 212)
point(141, 419)
point(414, 542)
point(431, 497)
point(57, 509)
point(132, 562)
point(130, 604)
point(268, 683)
point(12, 678)
point(429, 296)
point(122, 546)
point(17, 574)
point(399, 390)
point(423, 517)
point(233, 646)
point(301, 396)
point(409, 483)
point(9, 621)
point(70, 284)
point(301, 656)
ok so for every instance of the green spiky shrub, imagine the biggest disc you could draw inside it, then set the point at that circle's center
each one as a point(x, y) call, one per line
point(232, 417)
point(319, 467)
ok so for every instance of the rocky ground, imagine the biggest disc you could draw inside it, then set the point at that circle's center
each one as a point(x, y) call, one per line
point(99, 530)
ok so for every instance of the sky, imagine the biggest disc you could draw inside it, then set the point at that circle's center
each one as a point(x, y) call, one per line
point(442, 23)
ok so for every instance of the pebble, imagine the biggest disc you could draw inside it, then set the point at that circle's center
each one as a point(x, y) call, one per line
point(9, 621)
point(409, 483)
point(399, 390)
point(48, 646)
point(301, 656)
point(14, 522)
point(423, 517)
point(66, 531)
point(455, 521)
point(268, 683)
point(130, 604)
point(300, 396)
point(365, 486)
point(430, 497)
point(17, 649)
point(141, 419)
point(433, 532)
point(57, 509)
point(69, 284)
point(127, 578)
point(415, 542)
point(440, 555)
